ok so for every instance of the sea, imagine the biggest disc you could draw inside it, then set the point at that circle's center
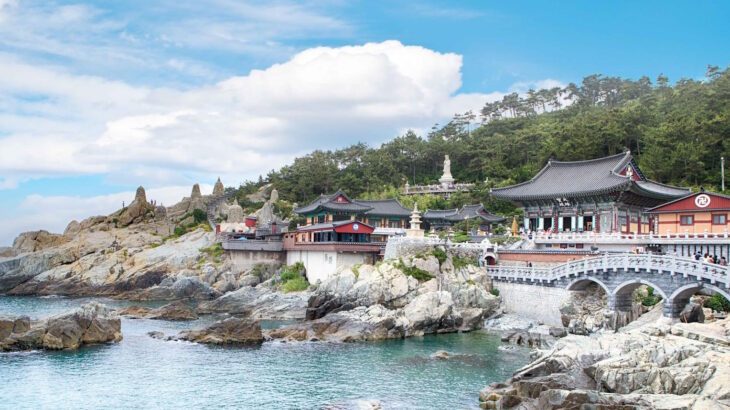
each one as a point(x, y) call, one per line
point(141, 372)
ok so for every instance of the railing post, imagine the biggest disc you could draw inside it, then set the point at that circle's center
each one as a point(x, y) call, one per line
point(626, 262)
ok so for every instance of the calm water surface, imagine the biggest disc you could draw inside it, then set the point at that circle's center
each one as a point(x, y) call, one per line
point(141, 372)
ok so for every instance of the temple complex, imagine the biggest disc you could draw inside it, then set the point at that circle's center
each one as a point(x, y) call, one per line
point(603, 195)
point(446, 187)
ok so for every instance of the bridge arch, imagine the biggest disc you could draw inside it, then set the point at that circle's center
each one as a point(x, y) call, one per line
point(686, 291)
point(582, 282)
point(629, 286)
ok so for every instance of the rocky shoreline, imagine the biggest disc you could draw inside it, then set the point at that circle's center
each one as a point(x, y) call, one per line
point(653, 365)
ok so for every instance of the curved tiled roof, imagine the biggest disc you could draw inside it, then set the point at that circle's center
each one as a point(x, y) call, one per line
point(583, 178)
point(387, 207)
point(466, 212)
point(328, 202)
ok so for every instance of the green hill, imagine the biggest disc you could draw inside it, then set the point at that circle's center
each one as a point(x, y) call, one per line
point(677, 132)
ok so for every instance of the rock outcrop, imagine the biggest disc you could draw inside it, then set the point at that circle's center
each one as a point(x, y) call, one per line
point(175, 311)
point(218, 188)
point(138, 210)
point(653, 366)
point(260, 302)
point(113, 262)
point(231, 331)
point(373, 303)
point(92, 323)
point(36, 241)
point(519, 331)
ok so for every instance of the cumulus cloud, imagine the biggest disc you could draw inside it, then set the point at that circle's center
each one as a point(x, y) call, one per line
point(321, 98)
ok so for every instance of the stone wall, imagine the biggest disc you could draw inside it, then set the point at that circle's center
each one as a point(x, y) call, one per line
point(247, 259)
point(538, 303)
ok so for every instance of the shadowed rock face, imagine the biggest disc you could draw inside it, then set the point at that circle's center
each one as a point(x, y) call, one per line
point(231, 331)
point(92, 323)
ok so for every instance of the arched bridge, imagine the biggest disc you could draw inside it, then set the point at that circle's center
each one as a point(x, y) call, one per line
point(674, 278)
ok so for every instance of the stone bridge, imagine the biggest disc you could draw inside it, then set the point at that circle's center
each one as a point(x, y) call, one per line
point(674, 278)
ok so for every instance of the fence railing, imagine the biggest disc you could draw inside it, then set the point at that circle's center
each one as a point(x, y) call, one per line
point(669, 264)
point(622, 237)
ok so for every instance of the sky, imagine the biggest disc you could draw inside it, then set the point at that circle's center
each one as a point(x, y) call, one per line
point(99, 97)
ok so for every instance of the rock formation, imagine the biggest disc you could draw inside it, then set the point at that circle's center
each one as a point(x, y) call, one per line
point(138, 210)
point(176, 311)
point(231, 331)
point(195, 194)
point(260, 302)
point(652, 366)
point(383, 302)
point(92, 323)
point(235, 214)
point(36, 241)
point(218, 188)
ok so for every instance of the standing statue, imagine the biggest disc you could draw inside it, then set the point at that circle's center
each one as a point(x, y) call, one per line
point(446, 179)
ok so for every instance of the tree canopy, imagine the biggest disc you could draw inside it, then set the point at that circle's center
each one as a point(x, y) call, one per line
point(676, 132)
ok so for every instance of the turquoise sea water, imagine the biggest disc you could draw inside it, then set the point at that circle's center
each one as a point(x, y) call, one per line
point(141, 372)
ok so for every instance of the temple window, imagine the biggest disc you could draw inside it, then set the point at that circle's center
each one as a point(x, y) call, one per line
point(686, 220)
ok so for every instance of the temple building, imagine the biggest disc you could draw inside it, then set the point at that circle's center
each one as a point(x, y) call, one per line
point(447, 184)
point(698, 213)
point(341, 232)
point(386, 213)
point(483, 220)
point(604, 195)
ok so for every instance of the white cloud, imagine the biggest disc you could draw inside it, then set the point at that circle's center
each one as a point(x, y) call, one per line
point(53, 213)
point(322, 97)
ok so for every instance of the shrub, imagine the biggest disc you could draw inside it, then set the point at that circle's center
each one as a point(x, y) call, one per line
point(179, 231)
point(718, 303)
point(461, 262)
point(292, 278)
point(214, 251)
point(296, 284)
point(418, 273)
point(494, 291)
point(440, 254)
point(199, 216)
point(460, 237)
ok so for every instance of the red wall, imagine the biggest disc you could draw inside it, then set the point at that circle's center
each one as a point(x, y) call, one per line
point(350, 228)
point(688, 204)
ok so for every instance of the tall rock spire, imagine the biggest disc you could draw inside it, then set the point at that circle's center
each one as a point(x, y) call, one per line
point(218, 188)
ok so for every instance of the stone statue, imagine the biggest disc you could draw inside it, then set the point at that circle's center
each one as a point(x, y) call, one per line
point(446, 179)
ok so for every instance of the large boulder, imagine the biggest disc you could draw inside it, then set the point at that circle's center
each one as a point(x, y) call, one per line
point(225, 332)
point(92, 323)
point(692, 313)
point(36, 241)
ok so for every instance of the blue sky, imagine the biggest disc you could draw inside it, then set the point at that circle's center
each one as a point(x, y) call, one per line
point(99, 97)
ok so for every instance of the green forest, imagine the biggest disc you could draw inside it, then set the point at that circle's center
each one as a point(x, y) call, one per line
point(676, 131)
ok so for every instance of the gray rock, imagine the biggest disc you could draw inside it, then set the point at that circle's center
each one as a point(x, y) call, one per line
point(92, 323)
point(225, 332)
